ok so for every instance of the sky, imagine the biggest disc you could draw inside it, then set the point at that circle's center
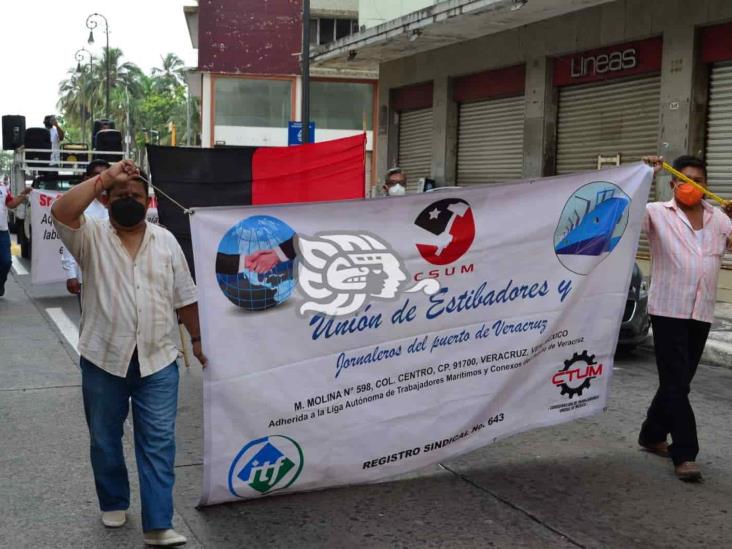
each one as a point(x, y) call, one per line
point(38, 40)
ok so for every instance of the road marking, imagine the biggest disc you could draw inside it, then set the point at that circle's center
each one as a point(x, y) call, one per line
point(65, 325)
point(18, 267)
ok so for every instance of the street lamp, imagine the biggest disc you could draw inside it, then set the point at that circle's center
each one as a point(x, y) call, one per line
point(91, 24)
point(79, 56)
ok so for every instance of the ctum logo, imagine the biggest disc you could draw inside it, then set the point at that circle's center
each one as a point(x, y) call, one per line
point(577, 374)
point(265, 465)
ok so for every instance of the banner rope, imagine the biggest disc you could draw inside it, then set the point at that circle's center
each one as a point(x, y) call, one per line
point(186, 211)
point(678, 175)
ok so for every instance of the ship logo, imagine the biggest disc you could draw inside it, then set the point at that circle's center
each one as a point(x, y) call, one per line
point(591, 226)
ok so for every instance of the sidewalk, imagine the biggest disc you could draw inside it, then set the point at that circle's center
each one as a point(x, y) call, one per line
point(718, 350)
point(48, 492)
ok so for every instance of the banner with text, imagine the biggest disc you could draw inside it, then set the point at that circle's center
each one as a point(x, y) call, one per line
point(47, 246)
point(350, 342)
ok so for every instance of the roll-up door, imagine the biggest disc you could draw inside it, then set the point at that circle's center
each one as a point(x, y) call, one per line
point(719, 135)
point(490, 141)
point(415, 145)
point(606, 119)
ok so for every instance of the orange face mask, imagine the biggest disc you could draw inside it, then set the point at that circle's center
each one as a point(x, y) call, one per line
point(687, 194)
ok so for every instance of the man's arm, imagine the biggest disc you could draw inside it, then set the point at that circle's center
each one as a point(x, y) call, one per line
point(18, 200)
point(61, 132)
point(189, 316)
point(69, 208)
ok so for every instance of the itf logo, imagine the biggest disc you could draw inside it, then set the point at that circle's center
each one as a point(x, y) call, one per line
point(265, 465)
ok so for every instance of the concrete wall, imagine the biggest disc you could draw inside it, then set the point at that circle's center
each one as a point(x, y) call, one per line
point(334, 6)
point(683, 93)
point(375, 12)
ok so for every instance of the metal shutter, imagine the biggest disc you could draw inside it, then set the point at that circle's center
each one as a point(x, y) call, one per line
point(719, 135)
point(490, 141)
point(415, 145)
point(609, 118)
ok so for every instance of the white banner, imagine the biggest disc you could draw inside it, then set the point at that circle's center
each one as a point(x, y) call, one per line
point(46, 267)
point(350, 342)
point(47, 246)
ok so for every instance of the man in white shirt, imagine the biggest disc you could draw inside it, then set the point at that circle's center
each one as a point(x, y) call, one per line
point(57, 135)
point(97, 210)
point(7, 202)
point(135, 281)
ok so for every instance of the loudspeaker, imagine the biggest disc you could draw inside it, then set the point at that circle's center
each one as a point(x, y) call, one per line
point(108, 140)
point(100, 125)
point(13, 131)
point(71, 152)
point(37, 138)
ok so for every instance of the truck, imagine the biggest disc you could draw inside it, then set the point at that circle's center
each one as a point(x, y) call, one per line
point(34, 166)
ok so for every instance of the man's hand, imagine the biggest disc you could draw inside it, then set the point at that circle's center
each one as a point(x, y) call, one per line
point(198, 352)
point(26, 191)
point(73, 286)
point(655, 162)
point(119, 172)
point(261, 261)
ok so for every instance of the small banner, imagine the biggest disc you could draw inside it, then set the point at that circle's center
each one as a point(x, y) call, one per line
point(241, 176)
point(47, 246)
point(46, 266)
point(351, 342)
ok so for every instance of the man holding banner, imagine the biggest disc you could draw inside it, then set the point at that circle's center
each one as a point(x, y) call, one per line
point(136, 280)
point(688, 238)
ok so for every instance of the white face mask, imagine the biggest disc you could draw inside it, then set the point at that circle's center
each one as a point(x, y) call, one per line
point(397, 190)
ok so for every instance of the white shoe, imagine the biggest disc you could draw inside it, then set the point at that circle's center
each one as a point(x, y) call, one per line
point(114, 519)
point(167, 538)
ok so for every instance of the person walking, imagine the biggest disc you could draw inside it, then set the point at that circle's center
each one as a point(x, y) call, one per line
point(135, 281)
point(687, 238)
point(7, 201)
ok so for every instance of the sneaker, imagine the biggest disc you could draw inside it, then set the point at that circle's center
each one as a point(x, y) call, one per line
point(114, 519)
point(688, 471)
point(658, 448)
point(164, 538)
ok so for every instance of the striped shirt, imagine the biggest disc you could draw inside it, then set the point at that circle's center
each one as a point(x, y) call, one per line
point(128, 304)
point(685, 266)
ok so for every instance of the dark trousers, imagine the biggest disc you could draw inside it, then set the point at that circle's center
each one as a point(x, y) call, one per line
point(5, 259)
point(679, 344)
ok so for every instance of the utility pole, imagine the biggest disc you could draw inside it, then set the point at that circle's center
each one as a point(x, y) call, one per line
point(305, 71)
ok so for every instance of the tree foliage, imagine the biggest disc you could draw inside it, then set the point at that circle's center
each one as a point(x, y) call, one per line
point(140, 104)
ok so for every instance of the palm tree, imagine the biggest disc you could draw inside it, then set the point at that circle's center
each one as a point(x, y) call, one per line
point(170, 75)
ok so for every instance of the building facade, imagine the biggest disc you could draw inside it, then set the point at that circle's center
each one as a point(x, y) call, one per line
point(249, 74)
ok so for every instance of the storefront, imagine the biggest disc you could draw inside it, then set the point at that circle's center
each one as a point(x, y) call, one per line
point(413, 105)
point(608, 106)
point(490, 143)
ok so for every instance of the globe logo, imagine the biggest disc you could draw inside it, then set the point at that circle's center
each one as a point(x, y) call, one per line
point(255, 263)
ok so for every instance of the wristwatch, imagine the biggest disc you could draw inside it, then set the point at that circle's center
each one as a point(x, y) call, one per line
point(195, 339)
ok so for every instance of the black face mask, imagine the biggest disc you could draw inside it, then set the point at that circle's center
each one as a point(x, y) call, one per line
point(128, 212)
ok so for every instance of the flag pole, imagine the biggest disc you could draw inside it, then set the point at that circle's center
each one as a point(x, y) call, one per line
point(305, 107)
point(678, 175)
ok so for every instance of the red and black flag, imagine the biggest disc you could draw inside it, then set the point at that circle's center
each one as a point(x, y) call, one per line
point(236, 176)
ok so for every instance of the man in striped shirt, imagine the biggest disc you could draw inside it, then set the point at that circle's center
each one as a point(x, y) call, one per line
point(135, 281)
point(688, 238)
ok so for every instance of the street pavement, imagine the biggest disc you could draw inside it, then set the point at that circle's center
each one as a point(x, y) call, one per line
point(584, 484)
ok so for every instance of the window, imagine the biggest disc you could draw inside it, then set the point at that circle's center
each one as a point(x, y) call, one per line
point(244, 102)
point(342, 105)
point(325, 30)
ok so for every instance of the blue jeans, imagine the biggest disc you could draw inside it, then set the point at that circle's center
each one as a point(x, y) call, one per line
point(154, 405)
point(5, 259)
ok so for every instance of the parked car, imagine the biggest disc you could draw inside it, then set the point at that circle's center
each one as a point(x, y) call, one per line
point(636, 322)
